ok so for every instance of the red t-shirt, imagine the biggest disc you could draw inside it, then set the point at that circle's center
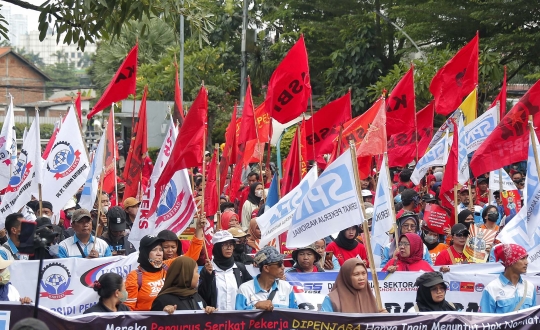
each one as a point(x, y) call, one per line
point(343, 255)
point(444, 259)
point(420, 265)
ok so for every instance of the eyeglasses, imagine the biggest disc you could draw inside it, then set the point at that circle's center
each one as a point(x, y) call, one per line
point(279, 264)
point(403, 244)
point(412, 227)
point(461, 235)
point(228, 245)
point(437, 288)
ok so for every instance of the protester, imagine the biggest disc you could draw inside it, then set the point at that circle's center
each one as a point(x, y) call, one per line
point(509, 292)
point(490, 215)
point(330, 263)
point(465, 198)
point(454, 254)
point(427, 198)
point(367, 196)
point(144, 283)
point(306, 260)
point(172, 246)
point(131, 206)
point(262, 291)
point(466, 217)
point(431, 294)
point(346, 246)
point(227, 206)
point(483, 191)
point(112, 294)
point(252, 202)
point(432, 240)
point(410, 255)
point(351, 292)
point(410, 200)
point(229, 219)
point(13, 228)
point(404, 183)
point(46, 210)
point(30, 323)
point(519, 181)
point(179, 291)
point(240, 248)
point(105, 204)
point(83, 244)
point(254, 236)
point(221, 277)
point(116, 235)
point(8, 292)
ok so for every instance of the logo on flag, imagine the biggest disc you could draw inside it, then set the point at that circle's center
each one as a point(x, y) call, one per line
point(170, 203)
point(21, 172)
point(64, 161)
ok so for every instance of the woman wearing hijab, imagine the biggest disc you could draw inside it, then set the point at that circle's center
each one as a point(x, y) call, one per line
point(144, 283)
point(254, 198)
point(254, 237)
point(221, 277)
point(179, 292)
point(409, 257)
point(229, 219)
point(351, 292)
point(431, 294)
point(346, 246)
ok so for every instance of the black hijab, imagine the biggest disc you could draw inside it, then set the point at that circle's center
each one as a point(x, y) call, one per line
point(462, 216)
point(219, 259)
point(251, 197)
point(144, 255)
point(343, 242)
point(425, 302)
point(240, 255)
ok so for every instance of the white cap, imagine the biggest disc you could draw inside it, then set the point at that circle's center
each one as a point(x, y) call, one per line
point(222, 236)
point(366, 192)
point(70, 204)
point(369, 213)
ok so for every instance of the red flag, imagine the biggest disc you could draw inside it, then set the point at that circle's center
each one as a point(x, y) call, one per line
point(211, 198)
point(323, 127)
point(501, 98)
point(248, 131)
point(229, 150)
point(400, 106)
point(236, 178)
point(295, 165)
point(402, 147)
point(51, 141)
point(137, 149)
point(78, 106)
point(450, 178)
point(188, 150)
point(111, 151)
point(178, 113)
point(289, 88)
point(122, 85)
point(374, 142)
point(456, 79)
point(509, 141)
point(264, 123)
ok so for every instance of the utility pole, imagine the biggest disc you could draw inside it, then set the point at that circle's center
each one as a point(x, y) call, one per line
point(243, 69)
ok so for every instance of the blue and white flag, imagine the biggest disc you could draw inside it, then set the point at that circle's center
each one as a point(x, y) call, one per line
point(463, 161)
point(446, 127)
point(91, 185)
point(507, 183)
point(329, 206)
point(479, 129)
point(436, 156)
point(383, 215)
point(8, 147)
point(273, 194)
point(277, 219)
point(524, 228)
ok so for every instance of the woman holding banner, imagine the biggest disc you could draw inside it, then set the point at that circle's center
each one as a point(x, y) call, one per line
point(409, 257)
point(351, 292)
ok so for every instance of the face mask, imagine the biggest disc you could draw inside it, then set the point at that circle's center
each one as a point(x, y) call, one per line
point(493, 217)
point(68, 215)
point(155, 263)
point(239, 248)
point(430, 239)
point(123, 296)
point(258, 193)
point(105, 209)
point(4, 277)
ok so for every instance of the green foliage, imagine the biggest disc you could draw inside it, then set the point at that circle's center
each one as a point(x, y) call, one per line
point(45, 130)
point(32, 57)
point(3, 26)
point(63, 75)
point(153, 153)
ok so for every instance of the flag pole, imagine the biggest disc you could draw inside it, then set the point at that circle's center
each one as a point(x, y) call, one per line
point(100, 191)
point(456, 204)
point(340, 136)
point(365, 225)
point(533, 141)
point(115, 155)
point(299, 145)
point(500, 170)
point(218, 213)
point(312, 127)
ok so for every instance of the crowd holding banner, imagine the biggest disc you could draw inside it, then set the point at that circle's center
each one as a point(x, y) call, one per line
point(311, 239)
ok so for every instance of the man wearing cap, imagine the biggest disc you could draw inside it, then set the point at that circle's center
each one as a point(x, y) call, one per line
point(305, 260)
point(454, 254)
point(427, 198)
point(367, 196)
point(83, 244)
point(131, 206)
point(46, 210)
point(483, 191)
point(465, 198)
point(410, 200)
point(115, 236)
point(266, 291)
point(509, 292)
point(240, 248)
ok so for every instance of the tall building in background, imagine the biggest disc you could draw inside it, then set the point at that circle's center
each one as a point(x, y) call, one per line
point(18, 25)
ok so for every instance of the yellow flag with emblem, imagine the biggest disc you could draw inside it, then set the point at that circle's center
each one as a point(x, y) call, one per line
point(468, 107)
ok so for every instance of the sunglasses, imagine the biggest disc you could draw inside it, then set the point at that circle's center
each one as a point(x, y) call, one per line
point(461, 235)
point(279, 264)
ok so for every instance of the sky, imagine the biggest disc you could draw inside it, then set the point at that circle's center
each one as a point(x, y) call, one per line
point(32, 15)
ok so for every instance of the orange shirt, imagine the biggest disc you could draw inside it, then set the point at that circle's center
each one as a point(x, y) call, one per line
point(142, 299)
point(436, 250)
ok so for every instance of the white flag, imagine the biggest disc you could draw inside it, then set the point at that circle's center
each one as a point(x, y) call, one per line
point(91, 184)
point(67, 163)
point(447, 126)
point(23, 183)
point(479, 129)
point(8, 147)
point(383, 215)
point(507, 183)
point(144, 223)
point(463, 161)
point(436, 156)
point(278, 218)
point(524, 228)
point(329, 206)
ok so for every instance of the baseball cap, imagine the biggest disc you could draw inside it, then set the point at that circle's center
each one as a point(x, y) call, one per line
point(43, 222)
point(47, 205)
point(117, 219)
point(79, 214)
point(459, 228)
point(150, 240)
point(130, 201)
point(222, 236)
point(481, 179)
point(267, 255)
point(366, 193)
point(429, 279)
point(237, 232)
point(465, 188)
point(408, 194)
point(428, 198)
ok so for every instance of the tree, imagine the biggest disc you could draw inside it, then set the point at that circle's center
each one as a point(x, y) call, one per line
point(84, 61)
point(82, 22)
point(61, 56)
point(34, 58)
point(63, 76)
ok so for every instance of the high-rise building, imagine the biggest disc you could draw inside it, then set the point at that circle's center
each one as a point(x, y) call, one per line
point(17, 25)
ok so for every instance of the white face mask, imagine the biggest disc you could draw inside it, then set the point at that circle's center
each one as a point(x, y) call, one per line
point(105, 209)
point(258, 193)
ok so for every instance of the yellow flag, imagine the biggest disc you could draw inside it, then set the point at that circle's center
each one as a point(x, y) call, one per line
point(468, 107)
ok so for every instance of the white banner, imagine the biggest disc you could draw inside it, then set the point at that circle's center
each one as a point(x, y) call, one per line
point(329, 206)
point(436, 156)
point(507, 183)
point(278, 218)
point(478, 131)
point(8, 146)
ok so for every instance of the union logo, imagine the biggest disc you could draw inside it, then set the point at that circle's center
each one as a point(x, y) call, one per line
point(55, 282)
point(170, 203)
point(65, 160)
point(21, 171)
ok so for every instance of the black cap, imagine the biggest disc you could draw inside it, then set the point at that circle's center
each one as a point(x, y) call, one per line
point(46, 205)
point(481, 179)
point(428, 198)
point(150, 240)
point(429, 279)
point(43, 222)
point(117, 219)
point(459, 228)
point(407, 195)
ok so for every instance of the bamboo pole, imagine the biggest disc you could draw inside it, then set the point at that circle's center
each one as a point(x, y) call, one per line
point(455, 204)
point(533, 142)
point(218, 213)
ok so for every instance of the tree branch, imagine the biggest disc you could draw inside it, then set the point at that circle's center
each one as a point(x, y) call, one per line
point(27, 5)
